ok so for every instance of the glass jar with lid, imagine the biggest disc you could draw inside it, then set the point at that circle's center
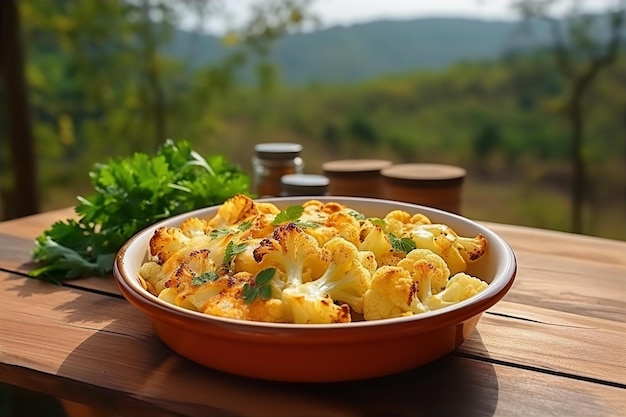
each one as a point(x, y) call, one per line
point(270, 162)
point(303, 185)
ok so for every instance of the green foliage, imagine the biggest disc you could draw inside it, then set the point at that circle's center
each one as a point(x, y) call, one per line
point(101, 89)
point(130, 194)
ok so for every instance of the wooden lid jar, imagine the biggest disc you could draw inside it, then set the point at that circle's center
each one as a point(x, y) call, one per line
point(432, 185)
point(355, 177)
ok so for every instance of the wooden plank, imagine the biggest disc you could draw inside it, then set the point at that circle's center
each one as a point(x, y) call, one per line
point(564, 343)
point(568, 245)
point(30, 227)
point(16, 253)
point(573, 285)
point(102, 344)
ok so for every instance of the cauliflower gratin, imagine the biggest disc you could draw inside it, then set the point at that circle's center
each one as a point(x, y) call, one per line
point(314, 263)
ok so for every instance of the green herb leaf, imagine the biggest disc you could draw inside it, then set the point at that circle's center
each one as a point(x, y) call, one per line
point(357, 215)
point(404, 244)
point(377, 221)
point(261, 288)
point(264, 276)
point(233, 250)
point(306, 225)
point(223, 231)
point(243, 226)
point(290, 214)
point(217, 233)
point(205, 277)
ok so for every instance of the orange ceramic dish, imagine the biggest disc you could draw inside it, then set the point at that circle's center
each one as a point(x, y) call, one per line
point(320, 352)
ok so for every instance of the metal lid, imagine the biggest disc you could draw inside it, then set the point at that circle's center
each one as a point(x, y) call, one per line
point(277, 150)
point(304, 184)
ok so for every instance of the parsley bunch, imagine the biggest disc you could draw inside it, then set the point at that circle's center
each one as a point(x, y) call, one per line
point(131, 194)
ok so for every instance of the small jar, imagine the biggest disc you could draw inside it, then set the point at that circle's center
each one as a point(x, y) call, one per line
point(270, 162)
point(355, 177)
point(433, 185)
point(303, 185)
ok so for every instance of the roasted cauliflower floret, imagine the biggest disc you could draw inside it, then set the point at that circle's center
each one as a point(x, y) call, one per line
point(292, 252)
point(438, 271)
point(166, 241)
point(238, 209)
point(373, 238)
point(335, 224)
point(231, 303)
point(303, 308)
point(368, 260)
point(399, 222)
point(194, 281)
point(460, 287)
point(195, 226)
point(392, 293)
point(344, 281)
point(456, 250)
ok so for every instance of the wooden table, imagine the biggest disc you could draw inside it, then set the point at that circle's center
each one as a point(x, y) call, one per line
point(555, 345)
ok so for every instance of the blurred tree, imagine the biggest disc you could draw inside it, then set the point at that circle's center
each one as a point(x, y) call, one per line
point(581, 47)
point(486, 141)
point(361, 128)
point(21, 191)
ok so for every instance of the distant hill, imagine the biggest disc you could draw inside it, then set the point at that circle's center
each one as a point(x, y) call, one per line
point(363, 51)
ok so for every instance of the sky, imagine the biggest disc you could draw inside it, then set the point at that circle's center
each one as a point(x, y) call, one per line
point(357, 11)
point(348, 12)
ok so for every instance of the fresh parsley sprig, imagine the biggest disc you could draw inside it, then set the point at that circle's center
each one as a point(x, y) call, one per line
point(261, 288)
point(404, 245)
point(292, 214)
point(377, 221)
point(205, 277)
point(224, 231)
point(232, 250)
point(130, 194)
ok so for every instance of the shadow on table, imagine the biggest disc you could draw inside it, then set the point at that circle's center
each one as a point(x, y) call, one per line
point(149, 371)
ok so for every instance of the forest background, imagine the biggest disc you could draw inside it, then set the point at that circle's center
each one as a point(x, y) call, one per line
point(110, 78)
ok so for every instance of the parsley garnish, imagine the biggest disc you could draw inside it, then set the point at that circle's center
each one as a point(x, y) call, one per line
point(261, 288)
point(404, 244)
point(377, 221)
point(357, 215)
point(233, 250)
point(130, 194)
point(223, 231)
point(217, 233)
point(205, 277)
point(306, 225)
point(290, 214)
point(243, 226)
